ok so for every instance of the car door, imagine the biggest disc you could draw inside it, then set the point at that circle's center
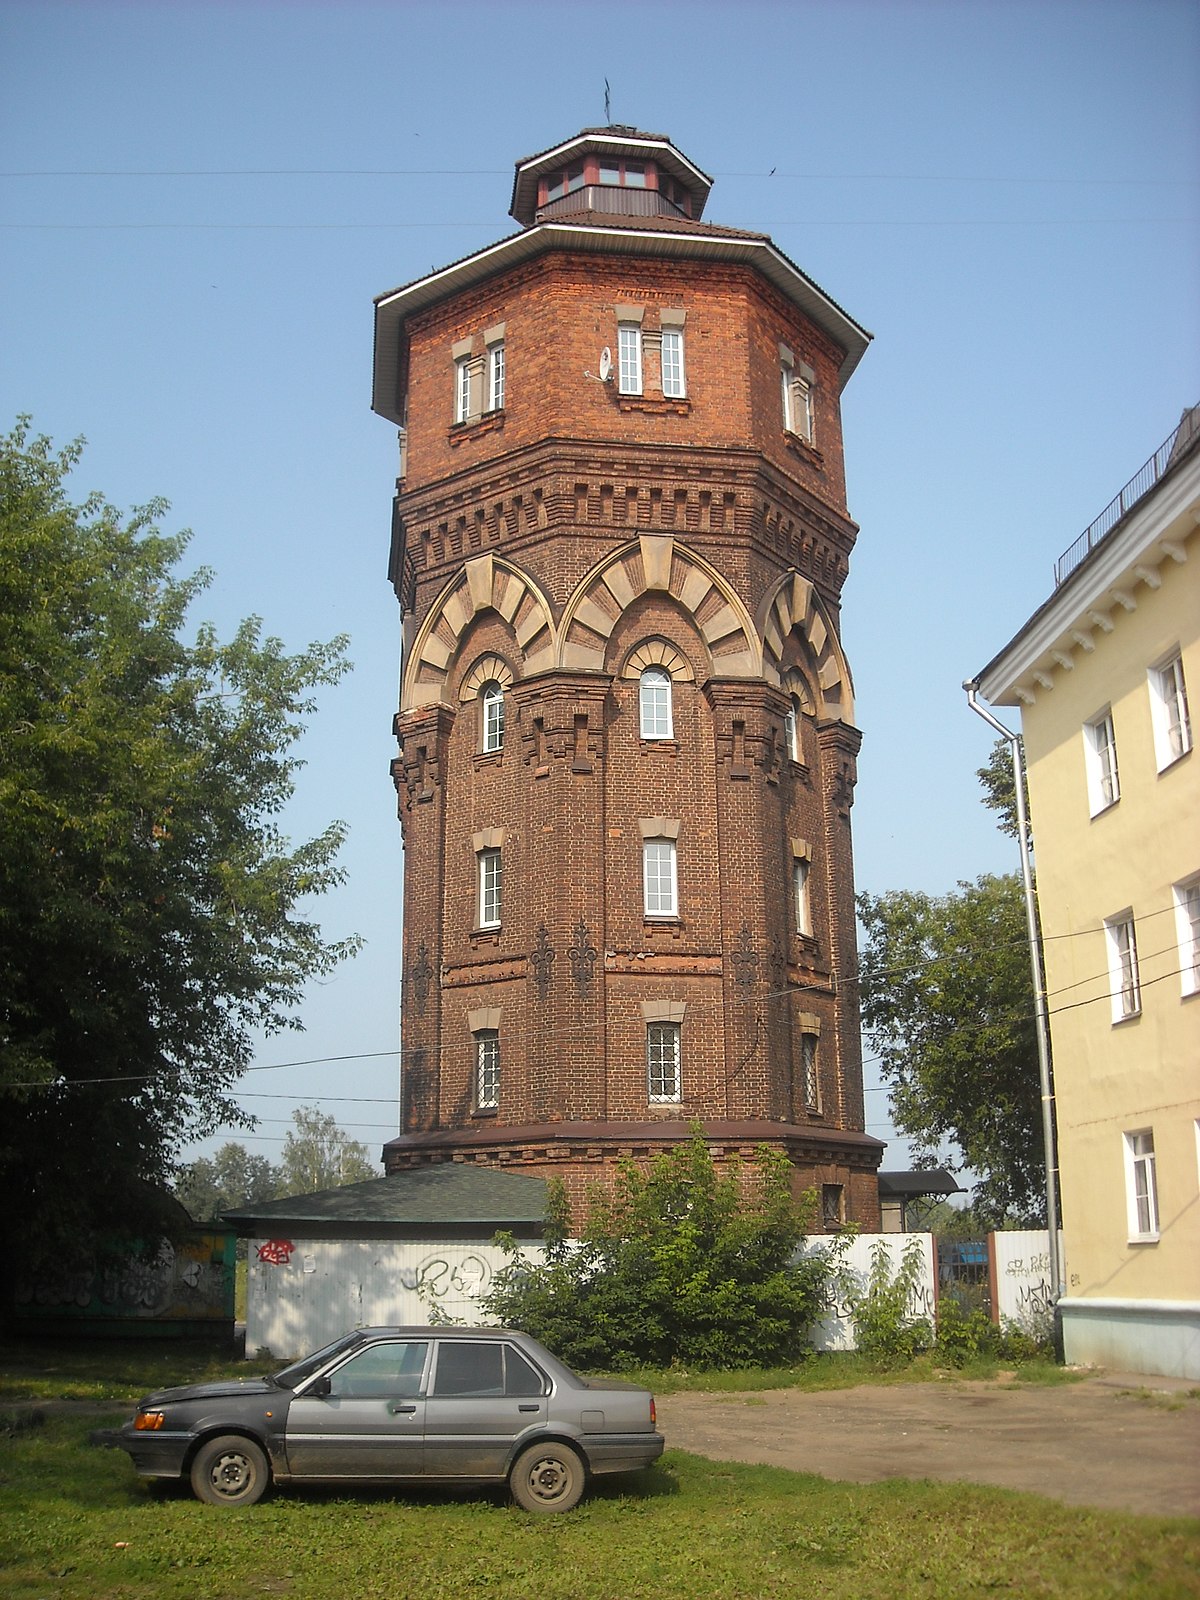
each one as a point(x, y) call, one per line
point(365, 1417)
point(483, 1394)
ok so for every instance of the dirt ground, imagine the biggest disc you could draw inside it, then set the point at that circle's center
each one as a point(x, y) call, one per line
point(1112, 1442)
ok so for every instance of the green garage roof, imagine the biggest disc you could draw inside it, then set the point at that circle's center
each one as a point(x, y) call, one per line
point(453, 1197)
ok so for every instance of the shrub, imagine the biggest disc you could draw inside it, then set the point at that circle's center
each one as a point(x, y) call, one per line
point(677, 1264)
point(887, 1329)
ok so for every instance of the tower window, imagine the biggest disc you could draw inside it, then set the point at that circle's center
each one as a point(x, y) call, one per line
point(462, 390)
point(487, 1069)
point(496, 378)
point(796, 381)
point(622, 174)
point(662, 1062)
point(654, 704)
point(490, 886)
point(491, 699)
point(629, 358)
point(673, 382)
point(808, 1071)
point(800, 875)
point(659, 882)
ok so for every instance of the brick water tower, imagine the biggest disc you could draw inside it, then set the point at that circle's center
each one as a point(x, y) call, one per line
point(626, 725)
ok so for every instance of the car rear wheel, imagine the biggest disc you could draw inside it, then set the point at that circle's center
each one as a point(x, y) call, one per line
point(547, 1477)
point(230, 1471)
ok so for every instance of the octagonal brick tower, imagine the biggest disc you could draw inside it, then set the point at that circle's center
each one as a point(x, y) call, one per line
point(626, 726)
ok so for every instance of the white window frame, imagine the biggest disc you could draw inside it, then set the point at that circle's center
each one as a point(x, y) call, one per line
point(496, 376)
point(656, 710)
point(660, 882)
point(796, 381)
point(462, 389)
point(629, 358)
point(801, 899)
point(487, 1069)
point(674, 376)
point(491, 703)
point(1141, 1186)
point(491, 887)
point(1100, 762)
point(1169, 715)
point(1187, 931)
point(663, 1058)
point(1125, 984)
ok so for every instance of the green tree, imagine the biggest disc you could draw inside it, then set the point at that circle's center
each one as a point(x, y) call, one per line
point(318, 1155)
point(152, 915)
point(677, 1264)
point(230, 1177)
point(947, 1003)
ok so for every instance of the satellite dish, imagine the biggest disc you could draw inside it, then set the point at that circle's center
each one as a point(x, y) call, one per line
point(605, 364)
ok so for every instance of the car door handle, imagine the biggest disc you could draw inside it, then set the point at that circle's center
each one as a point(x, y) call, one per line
point(398, 1406)
point(529, 1408)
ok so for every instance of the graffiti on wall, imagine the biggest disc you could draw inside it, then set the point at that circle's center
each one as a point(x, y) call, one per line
point(191, 1280)
point(436, 1278)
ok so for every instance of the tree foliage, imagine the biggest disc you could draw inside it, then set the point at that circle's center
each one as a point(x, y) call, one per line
point(677, 1264)
point(231, 1177)
point(999, 789)
point(152, 914)
point(318, 1155)
point(947, 1002)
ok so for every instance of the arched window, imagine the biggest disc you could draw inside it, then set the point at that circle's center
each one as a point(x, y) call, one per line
point(491, 699)
point(654, 701)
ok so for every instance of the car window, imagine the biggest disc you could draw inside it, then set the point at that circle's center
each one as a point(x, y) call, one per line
point(469, 1368)
point(381, 1370)
point(292, 1376)
point(521, 1376)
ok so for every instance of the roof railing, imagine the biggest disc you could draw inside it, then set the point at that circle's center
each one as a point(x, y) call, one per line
point(1176, 442)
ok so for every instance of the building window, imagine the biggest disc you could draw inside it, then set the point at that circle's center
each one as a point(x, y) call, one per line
point(796, 389)
point(800, 898)
point(496, 377)
point(565, 182)
point(662, 1062)
point(791, 729)
point(808, 1072)
point(462, 390)
point(654, 704)
point(1141, 1185)
point(659, 887)
point(1100, 758)
point(491, 879)
point(1123, 966)
point(617, 173)
point(673, 383)
point(833, 1205)
point(1169, 712)
point(491, 699)
point(629, 358)
point(1187, 925)
point(487, 1069)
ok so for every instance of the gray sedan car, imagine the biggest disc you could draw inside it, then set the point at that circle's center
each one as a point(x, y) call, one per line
point(400, 1405)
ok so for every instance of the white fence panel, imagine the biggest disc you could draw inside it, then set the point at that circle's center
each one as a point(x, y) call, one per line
point(301, 1293)
point(835, 1330)
point(1021, 1273)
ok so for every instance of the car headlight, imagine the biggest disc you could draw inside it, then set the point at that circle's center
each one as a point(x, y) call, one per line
point(149, 1421)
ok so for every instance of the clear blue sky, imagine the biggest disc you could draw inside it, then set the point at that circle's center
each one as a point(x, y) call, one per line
point(199, 202)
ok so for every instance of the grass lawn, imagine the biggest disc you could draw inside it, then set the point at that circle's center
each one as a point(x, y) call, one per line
point(76, 1524)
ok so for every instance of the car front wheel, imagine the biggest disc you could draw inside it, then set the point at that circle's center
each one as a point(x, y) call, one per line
point(230, 1471)
point(547, 1477)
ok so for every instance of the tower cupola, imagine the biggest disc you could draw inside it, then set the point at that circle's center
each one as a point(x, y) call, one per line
point(617, 170)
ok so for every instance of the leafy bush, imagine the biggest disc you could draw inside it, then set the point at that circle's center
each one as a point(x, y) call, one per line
point(887, 1329)
point(678, 1264)
point(965, 1333)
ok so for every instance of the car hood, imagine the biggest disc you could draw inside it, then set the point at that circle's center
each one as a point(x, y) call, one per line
point(228, 1389)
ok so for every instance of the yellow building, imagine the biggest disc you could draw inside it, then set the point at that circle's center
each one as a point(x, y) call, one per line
point(1101, 673)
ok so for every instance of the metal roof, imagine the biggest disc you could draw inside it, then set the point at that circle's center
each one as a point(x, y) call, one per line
point(911, 1185)
point(449, 1192)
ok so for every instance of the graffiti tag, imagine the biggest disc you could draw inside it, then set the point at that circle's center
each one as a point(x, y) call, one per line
point(276, 1252)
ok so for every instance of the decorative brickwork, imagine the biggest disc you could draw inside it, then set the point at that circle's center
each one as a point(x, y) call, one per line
point(591, 884)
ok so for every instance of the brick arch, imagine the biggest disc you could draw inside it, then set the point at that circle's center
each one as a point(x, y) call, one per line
point(658, 562)
point(486, 583)
point(794, 605)
point(662, 653)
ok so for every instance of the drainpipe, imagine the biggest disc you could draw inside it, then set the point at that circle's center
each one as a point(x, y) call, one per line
point(1039, 989)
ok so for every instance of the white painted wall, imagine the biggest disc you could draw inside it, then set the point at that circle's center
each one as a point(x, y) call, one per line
point(301, 1293)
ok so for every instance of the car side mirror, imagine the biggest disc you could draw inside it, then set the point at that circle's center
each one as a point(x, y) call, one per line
point(319, 1389)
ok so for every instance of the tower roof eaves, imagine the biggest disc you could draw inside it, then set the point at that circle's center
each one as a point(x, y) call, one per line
point(615, 137)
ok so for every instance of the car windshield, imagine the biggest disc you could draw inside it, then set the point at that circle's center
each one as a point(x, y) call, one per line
point(291, 1377)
